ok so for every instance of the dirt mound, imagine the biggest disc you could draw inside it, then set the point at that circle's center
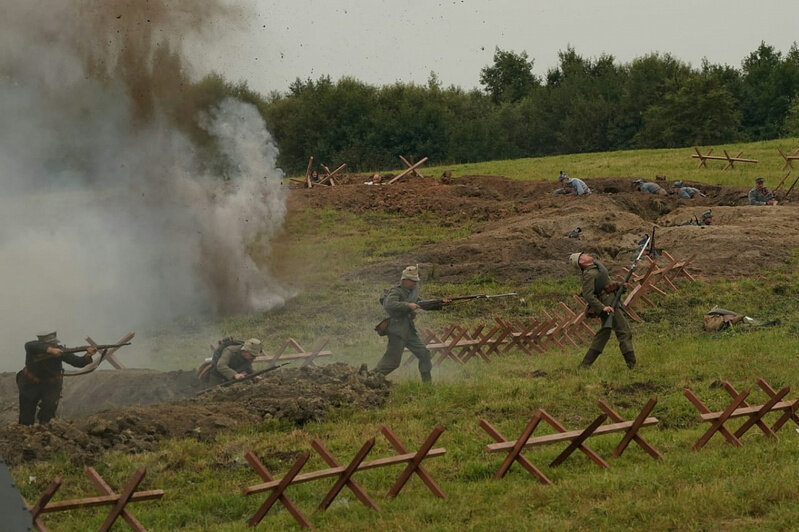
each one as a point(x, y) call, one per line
point(524, 228)
point(294, 395)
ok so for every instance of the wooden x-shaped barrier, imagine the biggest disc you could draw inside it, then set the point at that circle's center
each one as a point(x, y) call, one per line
point(738, 407)
point(703, 158)
point(789, 159)
point(576, 438)
point(344, 474)
point(118, 501)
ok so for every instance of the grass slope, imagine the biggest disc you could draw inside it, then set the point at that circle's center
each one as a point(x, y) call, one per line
point(719, 487)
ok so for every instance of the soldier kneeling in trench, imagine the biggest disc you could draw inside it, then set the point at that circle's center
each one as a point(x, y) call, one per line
point(235, 362)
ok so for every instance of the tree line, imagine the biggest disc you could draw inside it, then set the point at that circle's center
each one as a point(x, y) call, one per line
point(582, 105)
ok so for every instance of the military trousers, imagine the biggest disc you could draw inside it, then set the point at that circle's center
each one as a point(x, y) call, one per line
point(44, 395)
point(620, 327)
point(393, 355)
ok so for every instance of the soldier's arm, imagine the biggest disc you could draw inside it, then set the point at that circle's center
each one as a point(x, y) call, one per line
point(223, 364)
point(394, 304)
point(753, 198)
point(78, 361)
point(588, 293)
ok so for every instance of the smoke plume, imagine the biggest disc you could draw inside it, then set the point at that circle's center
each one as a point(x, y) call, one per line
point(125, 202)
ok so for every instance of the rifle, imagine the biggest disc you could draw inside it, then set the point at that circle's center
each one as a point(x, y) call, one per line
point(243, 379)
point(82, 348)
point(607, 321)
point(437, 304)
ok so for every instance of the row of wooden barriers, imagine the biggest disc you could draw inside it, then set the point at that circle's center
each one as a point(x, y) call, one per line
point(575, 439)
point(559, 328)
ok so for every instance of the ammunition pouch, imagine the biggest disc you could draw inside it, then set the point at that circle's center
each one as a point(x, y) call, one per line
point(382, 328)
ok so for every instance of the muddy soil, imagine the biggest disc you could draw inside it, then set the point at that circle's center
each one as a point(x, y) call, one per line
point(174, 405)
point(521, 231)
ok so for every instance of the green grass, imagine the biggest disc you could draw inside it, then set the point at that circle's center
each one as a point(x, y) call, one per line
point(717, 488)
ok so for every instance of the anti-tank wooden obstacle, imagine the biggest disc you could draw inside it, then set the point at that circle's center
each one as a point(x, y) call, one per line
point(576, 438)
point(789, 159)
point(411, 168)
point(117, 501)
point(703, 158)
point(738, 407)
point(344, 474)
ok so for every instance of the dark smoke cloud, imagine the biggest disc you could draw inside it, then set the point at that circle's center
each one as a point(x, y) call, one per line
point(111, 216)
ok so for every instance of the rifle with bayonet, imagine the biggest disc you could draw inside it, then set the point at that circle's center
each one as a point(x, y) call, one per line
point(248, 377)
point(607, 321)
point(437, 304)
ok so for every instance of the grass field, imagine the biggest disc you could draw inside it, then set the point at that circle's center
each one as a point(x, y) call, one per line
point(718, 488)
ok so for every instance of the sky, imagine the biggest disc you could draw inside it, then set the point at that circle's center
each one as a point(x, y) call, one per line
point(381, 42)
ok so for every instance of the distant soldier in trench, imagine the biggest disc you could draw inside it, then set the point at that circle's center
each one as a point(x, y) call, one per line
point(650, 188)
point(683, 192)
point(400, 303)
point(235, 362)
point(597, 290)
point(41, 380)
point(760, 195)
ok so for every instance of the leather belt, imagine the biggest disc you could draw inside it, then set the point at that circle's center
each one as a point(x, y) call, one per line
point(35, 379)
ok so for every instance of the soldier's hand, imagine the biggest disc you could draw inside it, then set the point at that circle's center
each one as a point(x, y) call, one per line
point(413, 306)
point(608, 309)
point(446, 301)
point(91, 351)
point(240, 376)
point(51, 350)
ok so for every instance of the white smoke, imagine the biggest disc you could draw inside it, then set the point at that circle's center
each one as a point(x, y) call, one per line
point(110, 219)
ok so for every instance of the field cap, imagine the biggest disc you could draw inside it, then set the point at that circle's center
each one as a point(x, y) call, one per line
point(253, 346)
point(411, 273)
point(759, 180)
point(48, 337)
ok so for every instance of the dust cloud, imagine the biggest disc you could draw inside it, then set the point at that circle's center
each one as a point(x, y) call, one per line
point(124, 202)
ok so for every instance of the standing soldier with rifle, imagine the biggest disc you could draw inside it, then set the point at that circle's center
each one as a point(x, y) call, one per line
point(41, 380)
point(602, 296)
point(401, 303)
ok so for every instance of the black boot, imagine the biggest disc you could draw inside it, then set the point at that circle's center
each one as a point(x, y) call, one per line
point(426, 377)
point(629, 358)
point(589, 358)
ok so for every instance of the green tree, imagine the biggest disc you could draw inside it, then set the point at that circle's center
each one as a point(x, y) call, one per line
point(510, 78)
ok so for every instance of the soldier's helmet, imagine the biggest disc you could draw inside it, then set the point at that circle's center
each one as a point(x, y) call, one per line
point(677, 184)
point(411, 273)
point(707, 214)
point(574, 259)
point(638, 182)
point(253, 346)
point(563, 177)
point(49, 338)
point(759, 180)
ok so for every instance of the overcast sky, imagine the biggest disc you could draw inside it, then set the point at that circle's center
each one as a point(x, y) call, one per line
point(384, 41)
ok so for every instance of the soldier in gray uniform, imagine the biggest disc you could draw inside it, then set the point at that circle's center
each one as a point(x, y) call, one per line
point(400, 303)
point(41, 380)
point(649, 188)
point(235, 362)
point(576, 186)
point(684, 192)
point(760, 195)
point(597, 291)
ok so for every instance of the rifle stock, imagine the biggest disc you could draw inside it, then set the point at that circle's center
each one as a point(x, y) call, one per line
point(607, 321)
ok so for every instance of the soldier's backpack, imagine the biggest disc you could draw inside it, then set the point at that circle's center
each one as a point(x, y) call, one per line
point(204, 373)
point(718, 319)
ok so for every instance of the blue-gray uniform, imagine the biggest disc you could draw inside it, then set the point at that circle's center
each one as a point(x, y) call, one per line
point(689, 193)
point(577, 186)
point(759, 196)
point(651, 188)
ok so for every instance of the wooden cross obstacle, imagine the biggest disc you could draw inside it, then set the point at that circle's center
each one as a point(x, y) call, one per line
point(107, 354)
point(117, 501)
point(576, 438)
point(703, 158)
point(327, 179)
point(344, 474)
point(789, 159)
point(281, 355)
point(411, 168)
point(656, 274)
point(407, 164)
point(738, 407)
